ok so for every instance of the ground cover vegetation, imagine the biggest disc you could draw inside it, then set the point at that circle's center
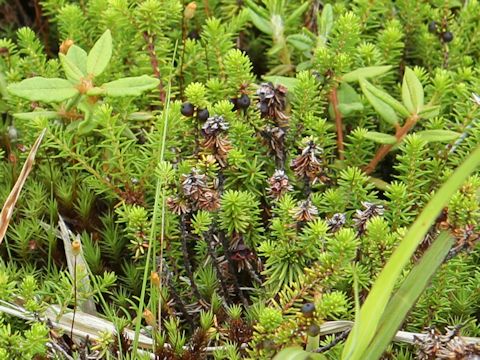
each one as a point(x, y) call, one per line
point(239, 179)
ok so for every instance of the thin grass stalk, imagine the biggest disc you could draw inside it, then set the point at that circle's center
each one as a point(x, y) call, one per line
point(159, 194)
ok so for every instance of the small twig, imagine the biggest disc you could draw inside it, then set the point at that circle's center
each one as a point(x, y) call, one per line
point(56, 347)
point(42, 27)
point(154, 62)
point(226, 247)
point(253, 273)
point(383, 150)
point(207, 8)
point(176, 297)
point(342, 336)
point(186, 257)
point(338, 123)
point(23, 13)
point(231, 267)
point(74, 293)
point(211, 253)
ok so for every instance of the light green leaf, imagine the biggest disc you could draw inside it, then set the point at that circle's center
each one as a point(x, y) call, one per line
point(348, 109)
point(412, 92)
point(71, 70)
point(374, 306)
point(43, 89)
point(380, 138)
point(262, 24)
point(366, 72)
point(130, 86)
point(96, 91)
point(140, 116)
point(438, 135)
point(288, 82)
point(300, 42)
point(100, 54)
point(385, 97)
point(259, 10)
point(349, 101)
point(36, 114)
point(407, 295)
point(326, 21)
point(297, 13)
point(78, 56)
point(297, 353)
point(429, 112)
point(86, 126)
point(385, 111)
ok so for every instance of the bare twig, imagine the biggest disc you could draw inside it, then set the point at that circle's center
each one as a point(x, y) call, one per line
point(150, 40)
point(383, 150)
point(338, 123)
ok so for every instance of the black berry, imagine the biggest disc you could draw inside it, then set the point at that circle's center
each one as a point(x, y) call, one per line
point(203, 115)
point(234, 101)
point(193, 35)
point(308, 309)
point(432, 27)
point(447, 36)
point(243, 101)
point(313, 330)
point(187, 109)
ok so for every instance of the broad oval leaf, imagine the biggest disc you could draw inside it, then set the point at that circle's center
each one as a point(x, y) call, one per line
point(365, 72)
point(349, 101)
point(130, 86)
point(78, 56)
point(381, 107)
point(43, 89)
point(262, 24)
point(349, 109)
point(72, 72)
point(297, 13)
point(438, 135)
point(412, 92)
point(326, 21)
point(36, 114)
point(300, 41)
point(394, 103)
point(100, 54)
point(380, 138)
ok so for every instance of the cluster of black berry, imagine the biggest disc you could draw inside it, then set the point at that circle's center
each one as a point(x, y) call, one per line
point(240, 103)
point(188, 110)
point(445, 36)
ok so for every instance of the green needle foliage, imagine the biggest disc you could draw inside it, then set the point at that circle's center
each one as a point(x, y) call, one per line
point(240, 177)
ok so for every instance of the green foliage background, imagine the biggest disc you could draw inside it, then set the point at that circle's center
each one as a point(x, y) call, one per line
point(104, 181)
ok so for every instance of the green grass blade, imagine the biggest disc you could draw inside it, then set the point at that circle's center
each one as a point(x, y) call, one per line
point(407, 295)
point(377, 300)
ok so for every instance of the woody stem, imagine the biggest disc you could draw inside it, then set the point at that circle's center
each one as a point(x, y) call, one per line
point(383, 150)
point(338, 123)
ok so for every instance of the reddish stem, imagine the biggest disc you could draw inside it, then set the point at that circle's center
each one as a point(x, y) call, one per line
point(338, 123)
point(383, 150)
point(154, 62)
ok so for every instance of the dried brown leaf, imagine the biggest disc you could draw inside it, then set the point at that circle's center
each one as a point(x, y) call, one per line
point(9, 205)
